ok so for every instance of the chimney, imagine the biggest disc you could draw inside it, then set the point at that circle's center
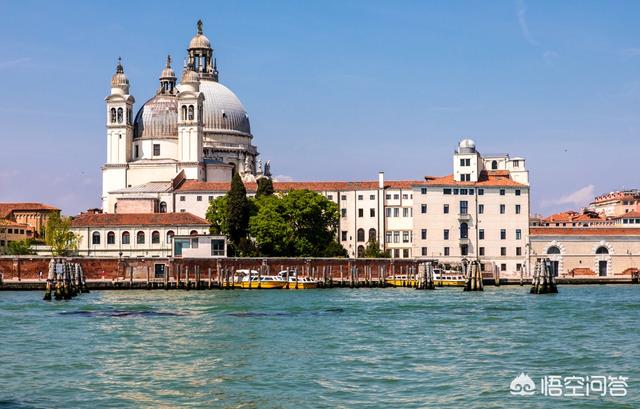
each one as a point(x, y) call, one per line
point(380, 180)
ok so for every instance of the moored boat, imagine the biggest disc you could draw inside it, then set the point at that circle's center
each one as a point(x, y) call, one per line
point(400, 280)
point(443, 278)
point(294, 281)
point(253, 279)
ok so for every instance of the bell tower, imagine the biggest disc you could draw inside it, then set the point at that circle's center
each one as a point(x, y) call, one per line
point(190, 125)
point(119, 115)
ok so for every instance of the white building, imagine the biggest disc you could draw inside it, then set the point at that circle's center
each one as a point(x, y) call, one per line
point(198, 127)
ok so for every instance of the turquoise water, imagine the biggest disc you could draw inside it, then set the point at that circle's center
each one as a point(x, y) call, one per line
point(344, 348)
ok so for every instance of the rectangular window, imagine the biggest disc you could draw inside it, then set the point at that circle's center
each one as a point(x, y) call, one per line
point(217, 247)
point(517, 209)
point(503, 234)
point(456, 191)
point(343, 197)
point(182, 198)
point(481, 251)
point(210, 198)
point(445, 209)
point(517, 192)
point(405, 196)
point(446, 251)
point(330, 197)
point(480, 192)
point(405, 212)
point(446, 191)
point(446, 234)
point(405, 237)
point(360, 212)
point(405, 253)
point(387, 212)
point(471, 192)
point(423, 234)
point(464, 207)
point(388, 197)
point(481, 234)
point(502, 209)
point(182, 210)
point(503, 267)
point(518, 251)
point(503, 251)
point(344, 235)
point(137, 151)
point(396, 237)
point(463, 191)
point(480, 209)
point(396, 253)
point(396, 196)
point(372, 197)
point(423, 208)
point(423, 190)
point(518, 234)
point(518, 267)
point(424, 251)
point(464, 250)
point(372, 212)
point(465, 177)
point(396, 212)
point(156, 149)
point(199, 198)
point(360, 197)
point(387, 236)
point(502, 192)
point(343, 212)
point(194, 243)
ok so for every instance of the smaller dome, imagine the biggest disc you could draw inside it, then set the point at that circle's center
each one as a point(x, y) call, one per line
point(467, 143)
point(167, 73)
point(119, 79)
point(199, 41)
point(189, 76)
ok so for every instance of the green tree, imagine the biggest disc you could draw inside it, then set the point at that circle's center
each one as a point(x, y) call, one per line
point(300, 223)
point(373, 250)
point(20, 248)
point(218, 215)
point(59, 235)
point(238, 211)
point(265, 187)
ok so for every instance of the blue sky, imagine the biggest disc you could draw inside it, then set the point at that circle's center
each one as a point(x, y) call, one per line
point(337, 90)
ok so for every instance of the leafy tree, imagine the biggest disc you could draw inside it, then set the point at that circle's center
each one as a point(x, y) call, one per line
point(59, 235)
point(301, 223)
point(265, 187)
point(373, 250)
point(238, 209)
point(20, 248)
point(217, 215)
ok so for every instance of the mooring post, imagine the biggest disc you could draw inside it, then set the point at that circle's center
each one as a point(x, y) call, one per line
point(50, 278)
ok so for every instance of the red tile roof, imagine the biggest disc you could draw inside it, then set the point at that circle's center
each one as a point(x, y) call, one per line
point(491, 178)
point(197, 186)
point(571, 216)
point(584, 231)
point(629, 215)
point(7, 208)
point(11, 223)
point(137, 219)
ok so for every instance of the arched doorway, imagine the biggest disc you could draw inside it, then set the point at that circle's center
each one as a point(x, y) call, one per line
point(602, 256)
point(360, 251)
point(555, 255)
point(494, 165)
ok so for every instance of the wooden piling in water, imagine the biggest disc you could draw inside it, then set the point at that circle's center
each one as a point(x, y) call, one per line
point(473, 276)
point(544, 281)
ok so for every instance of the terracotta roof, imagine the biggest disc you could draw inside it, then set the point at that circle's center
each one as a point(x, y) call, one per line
point(571, 216)
point(584, 231)
point(7, 208)
point(11, 223)
point(197, 186)
point(491, 178)
point(630, 215)
point(137, 219)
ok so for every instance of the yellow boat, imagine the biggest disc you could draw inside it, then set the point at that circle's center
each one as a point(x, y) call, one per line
point(253, 279)
point(400, 280)
point(443, 278)
point(296, 282)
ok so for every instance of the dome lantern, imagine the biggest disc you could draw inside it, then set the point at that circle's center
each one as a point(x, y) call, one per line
point(167, 78)
point(201, 56)
point(119, 81)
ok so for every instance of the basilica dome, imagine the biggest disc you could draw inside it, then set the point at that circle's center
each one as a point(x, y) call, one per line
point(158, 118)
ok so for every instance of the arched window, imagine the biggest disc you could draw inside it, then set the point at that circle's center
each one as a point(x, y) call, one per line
point(360, 251)
point(602, 250)
point(372, 234)
point(155, 237)
point(111, 238)
point(95, 238)
point(191, 112)
point(464, 231)
point(140, 237)
point(360, 234)
point(184, 112)
point(113, 115)
point(193, 233)
point(163, 207)
point(494, 165)
point(126, 238)
point(553, 250)
point(170, 235)
point(119, 115)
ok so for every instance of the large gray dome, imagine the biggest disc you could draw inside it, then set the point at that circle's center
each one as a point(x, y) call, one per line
point(223, 111)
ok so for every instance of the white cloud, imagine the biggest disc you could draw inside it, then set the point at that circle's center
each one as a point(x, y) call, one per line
point(579, 198)
point(521, 12)
point(13, 63)
point(282, 178)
